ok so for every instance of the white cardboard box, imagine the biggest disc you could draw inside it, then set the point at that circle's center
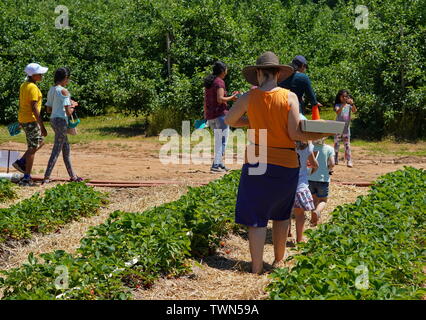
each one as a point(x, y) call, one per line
point(323, 126)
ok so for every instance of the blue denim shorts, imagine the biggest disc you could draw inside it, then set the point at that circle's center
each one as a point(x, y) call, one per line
point(319, 189)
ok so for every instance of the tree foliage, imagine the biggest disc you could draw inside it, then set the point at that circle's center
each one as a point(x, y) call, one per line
point(118, 53)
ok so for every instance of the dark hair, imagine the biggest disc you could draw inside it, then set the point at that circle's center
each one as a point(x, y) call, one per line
point(270, 72)
point(218, 68)
point(61, 74)
point(297, 65)
point(337, 101)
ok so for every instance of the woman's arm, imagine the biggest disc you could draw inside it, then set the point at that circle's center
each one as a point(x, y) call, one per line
point(69, 110)
point(294, 131)
point(235, 117)
point(309, 92)
point(221, 96)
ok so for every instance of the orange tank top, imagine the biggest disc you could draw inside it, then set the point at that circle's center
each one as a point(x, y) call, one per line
point(269, 110)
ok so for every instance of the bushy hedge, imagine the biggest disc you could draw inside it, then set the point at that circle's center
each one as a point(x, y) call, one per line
point(372, 249)
point(132, 249)
point(118, 54)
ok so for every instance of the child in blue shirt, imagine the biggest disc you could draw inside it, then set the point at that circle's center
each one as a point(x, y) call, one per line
point(303, 200)
point(319, 180)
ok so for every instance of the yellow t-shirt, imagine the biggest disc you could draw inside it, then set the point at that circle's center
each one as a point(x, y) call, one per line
point(28, 93)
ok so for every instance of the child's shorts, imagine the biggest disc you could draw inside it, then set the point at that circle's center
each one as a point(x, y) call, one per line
point(320, 189)
point(304, 200)
point(33, 133)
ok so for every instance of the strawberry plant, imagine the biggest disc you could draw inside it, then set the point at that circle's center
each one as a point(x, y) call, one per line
point(132, 249)
point(7, 191)
point(44, 214)
point(372, 249)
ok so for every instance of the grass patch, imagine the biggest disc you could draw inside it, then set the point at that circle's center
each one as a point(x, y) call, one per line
point(387, 147)
point(109, 127)
point(131, 128)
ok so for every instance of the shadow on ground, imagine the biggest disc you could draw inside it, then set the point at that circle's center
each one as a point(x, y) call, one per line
point(133, 130)
point(244, 235)
point(223, 263)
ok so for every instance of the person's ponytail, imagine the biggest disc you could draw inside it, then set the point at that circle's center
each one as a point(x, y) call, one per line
point(218, 68)
point(208, 81)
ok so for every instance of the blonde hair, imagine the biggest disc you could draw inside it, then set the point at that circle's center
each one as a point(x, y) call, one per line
point(320, 141)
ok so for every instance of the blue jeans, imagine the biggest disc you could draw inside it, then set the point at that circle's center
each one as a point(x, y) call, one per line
point(221, 132)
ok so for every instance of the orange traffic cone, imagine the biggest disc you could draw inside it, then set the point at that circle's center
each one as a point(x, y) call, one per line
point(315, 113)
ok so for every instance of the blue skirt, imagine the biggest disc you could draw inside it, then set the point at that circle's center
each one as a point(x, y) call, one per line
point(265, 197)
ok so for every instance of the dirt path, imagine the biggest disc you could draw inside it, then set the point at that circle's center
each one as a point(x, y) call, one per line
point(225, 274)
point(139, 160)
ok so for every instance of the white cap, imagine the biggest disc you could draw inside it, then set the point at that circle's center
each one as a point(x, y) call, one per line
point(35, 68)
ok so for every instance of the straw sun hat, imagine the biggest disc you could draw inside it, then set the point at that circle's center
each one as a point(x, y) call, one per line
point(267, 60)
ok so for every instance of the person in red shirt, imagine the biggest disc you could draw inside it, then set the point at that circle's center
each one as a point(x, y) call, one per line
point(215, 109)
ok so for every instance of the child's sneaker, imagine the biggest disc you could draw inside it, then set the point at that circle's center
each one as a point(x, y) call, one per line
point(350, 165)
point(19, 165)
point(216, 168)
point(222, 166)
point(27, 182)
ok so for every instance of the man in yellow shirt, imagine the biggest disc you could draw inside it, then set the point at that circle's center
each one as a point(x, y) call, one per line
point(30, 99)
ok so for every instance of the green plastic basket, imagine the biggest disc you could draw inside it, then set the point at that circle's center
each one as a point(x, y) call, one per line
point(72, 123)
point(200, 124)
point(14, 128)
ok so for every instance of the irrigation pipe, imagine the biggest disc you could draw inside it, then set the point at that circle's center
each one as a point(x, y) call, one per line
point(157, 183)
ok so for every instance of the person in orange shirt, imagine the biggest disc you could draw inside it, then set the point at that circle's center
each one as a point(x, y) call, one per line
point(30, 99)
point(268, 195)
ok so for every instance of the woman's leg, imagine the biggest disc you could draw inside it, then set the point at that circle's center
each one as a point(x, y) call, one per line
point(66, 153)
point(279, 238)
point(217, 142)
point(59, 126)
point(225, 133)
point(257, 238)
point(300, 223)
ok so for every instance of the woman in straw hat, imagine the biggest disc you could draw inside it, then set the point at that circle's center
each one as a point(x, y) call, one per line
point(270, 174)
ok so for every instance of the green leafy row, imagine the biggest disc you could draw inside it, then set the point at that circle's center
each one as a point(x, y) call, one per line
point(131, 249)
point(7, 191)
point(44, 214)
point(372, 249)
